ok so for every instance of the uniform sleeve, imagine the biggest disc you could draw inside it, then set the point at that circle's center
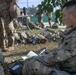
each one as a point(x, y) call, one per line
point(66, 50)
point(14, 1)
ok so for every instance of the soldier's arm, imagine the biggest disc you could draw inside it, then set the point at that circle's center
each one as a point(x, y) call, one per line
point(14, 1)
point(66, 50)
point(14, 8)
point(62, 53)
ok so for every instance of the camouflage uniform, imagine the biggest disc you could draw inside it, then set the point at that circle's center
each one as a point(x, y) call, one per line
point(1, 70)
point(1, 66)
point(6, 24)
point(62, 59)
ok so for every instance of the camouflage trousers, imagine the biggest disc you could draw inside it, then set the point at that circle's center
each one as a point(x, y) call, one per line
point(1, 66)
point(1, 70)
point(34, 67)
point(6, 26)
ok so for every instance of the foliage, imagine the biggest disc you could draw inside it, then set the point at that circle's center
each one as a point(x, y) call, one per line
point(48, 6)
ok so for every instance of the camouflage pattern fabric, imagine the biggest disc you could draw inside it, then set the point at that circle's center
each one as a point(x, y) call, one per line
point(34, 67)
point(64, 57)
point(6, 25)
point(9, 1)
point(1, 66)
point(15, 1)
point(1, 70)
point(59, 72)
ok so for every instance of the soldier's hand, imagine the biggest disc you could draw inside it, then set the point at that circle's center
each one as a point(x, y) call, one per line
point(12, 7)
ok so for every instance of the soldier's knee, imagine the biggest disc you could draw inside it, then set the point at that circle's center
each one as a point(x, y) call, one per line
point(36, 68)
point(28, 67)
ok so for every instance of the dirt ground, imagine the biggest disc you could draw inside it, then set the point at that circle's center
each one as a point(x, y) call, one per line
point(22, 50)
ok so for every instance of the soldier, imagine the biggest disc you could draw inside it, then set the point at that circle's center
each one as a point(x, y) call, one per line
point(1, 66)
point(40, 19)
point(8, 10)
point(62, 60)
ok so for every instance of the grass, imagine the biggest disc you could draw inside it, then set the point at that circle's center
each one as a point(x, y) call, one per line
point(37, 31)
point(22, 49)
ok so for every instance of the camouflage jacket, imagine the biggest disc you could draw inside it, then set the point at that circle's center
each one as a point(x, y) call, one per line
point(9, 1)
point(5, 4)
point(65, 54)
